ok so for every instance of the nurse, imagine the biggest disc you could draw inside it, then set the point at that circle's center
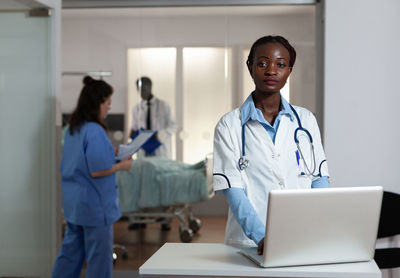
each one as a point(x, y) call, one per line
point(89, 189)
point(255, 147)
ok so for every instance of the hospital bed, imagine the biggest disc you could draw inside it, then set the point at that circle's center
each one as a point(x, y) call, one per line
point(156, 190)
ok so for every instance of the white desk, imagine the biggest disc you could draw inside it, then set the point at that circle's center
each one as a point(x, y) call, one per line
point(217, 260)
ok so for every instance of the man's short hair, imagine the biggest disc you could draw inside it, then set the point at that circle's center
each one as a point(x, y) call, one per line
point(144, 80)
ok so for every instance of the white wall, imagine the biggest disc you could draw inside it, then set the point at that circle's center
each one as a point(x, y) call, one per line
point(100, 42)
point(362, 92)
point(362, 95)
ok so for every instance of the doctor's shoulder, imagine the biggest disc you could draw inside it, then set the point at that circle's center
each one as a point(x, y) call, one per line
point(306, 116)
point(161, 102)
point(230, 120)
point(303, 113)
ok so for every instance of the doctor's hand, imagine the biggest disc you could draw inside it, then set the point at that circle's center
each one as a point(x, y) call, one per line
point(260, 247)
point(155, 136)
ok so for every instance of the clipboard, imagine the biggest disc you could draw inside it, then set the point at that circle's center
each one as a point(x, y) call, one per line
point(138, 141)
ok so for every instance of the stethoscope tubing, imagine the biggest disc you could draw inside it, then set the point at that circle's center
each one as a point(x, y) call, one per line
point(243, 161)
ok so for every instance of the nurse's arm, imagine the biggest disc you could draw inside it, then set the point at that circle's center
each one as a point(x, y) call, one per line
point(125, 164)
point(245, 214)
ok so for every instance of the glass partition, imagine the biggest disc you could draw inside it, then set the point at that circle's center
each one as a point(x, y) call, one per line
point(206, 91)
point(206, 97)
point(26, 171)
point(159, 65)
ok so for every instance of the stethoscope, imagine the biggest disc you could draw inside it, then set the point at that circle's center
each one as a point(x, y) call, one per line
point(243, 162)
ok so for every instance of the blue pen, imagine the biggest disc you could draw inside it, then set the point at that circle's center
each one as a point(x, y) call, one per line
point(298, 161)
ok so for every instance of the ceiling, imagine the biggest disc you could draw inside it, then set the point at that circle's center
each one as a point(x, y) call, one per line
point(156, 9)
point(176, 3)
point(192, 11)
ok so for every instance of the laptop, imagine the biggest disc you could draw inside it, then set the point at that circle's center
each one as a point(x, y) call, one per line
point(319, 226)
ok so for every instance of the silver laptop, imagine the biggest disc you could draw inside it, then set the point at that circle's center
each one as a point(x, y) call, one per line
point(319, 226)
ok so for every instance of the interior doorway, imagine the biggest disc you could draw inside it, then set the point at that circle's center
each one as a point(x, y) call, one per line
point(229, 30)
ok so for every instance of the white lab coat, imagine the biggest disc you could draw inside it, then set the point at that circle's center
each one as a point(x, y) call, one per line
point(161, 120)
point(271, 166)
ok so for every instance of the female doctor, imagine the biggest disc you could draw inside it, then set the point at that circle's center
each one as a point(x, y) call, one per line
point(265, 144)
point(89, 189)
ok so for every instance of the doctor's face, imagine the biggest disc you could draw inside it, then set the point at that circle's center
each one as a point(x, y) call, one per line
point(105, 107)
point(145, 91)
point(270, 68)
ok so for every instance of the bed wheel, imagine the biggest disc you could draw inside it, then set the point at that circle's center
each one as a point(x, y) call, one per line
point(115, 256)
point(165, 227)
point(186, 235)
point(136, 226)
point(194, 224)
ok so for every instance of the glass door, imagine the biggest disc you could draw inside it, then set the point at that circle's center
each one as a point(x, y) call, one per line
point(159, 65)
point(202, 97)
point(27, 146)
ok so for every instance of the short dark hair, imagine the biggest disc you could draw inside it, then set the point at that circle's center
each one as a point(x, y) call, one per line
point(143, 80)
point(272, 39)
point(93, 94)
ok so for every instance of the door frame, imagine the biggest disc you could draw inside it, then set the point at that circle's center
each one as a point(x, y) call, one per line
point(54, 79)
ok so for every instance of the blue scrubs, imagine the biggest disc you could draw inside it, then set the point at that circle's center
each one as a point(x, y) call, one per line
point(90, 204)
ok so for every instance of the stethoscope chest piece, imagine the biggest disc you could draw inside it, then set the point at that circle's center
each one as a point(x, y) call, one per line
point(243, 163)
